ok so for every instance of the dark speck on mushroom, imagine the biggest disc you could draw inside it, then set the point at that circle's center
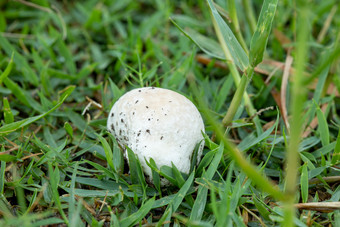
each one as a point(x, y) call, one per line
point(148, 131)
point(161, 137)
point(138, 134)
point(112, 127)
point(136, 101)
point(170, 101)
point(146, 107)
point(140, 90)
point(149, 119)
point(120, 132)
point(112, 114)
point(133, 113)
point(122, 120)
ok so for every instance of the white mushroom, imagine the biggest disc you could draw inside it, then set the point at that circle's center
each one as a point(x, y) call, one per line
point(160, 124)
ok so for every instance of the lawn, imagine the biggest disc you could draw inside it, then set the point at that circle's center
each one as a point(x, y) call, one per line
point(265, 76)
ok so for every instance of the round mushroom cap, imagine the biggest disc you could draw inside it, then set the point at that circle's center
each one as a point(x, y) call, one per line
point(160, 124)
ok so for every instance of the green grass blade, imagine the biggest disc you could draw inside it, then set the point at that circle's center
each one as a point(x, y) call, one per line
point(155, 177)
point(261, 208)
point(72, 200)
point(108, 152)
point(2, 177)
point(260, 38)
point(323, 127)
point(4, 130)
point(238, 55)
point(8, 115)
point(207, 45)
point(20, 61)
point(137, 216)
point(336, 154)
point(304, 183)
point(65, 52)
point(201, 199)
point(136, 172)
point(22, 95)
point(178, 176)
point(7, 71)
point(54, 176)
point(177, 200)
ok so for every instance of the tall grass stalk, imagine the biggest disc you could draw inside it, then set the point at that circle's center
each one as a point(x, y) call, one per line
point(237, 80)
point(299, 95)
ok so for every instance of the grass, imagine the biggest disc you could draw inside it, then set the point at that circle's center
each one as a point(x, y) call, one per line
point(272, 143)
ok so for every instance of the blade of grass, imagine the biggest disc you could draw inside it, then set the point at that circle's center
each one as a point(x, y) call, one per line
point(20, 61)
point(304, 183)
point(7, 71)
point(323, 126)
point(8, 115)
point(71, 205)
point(2, 177)
point(137, 216)
point(108, 152)
point(54, 176)
point(177, 200)
point(336, 153)
point(235, 24)
point(237, 54)
point(4, 130)
point(260, 37)
point(22, 95)
point(201, 199)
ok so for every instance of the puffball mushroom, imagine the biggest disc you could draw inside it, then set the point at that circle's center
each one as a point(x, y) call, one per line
point(160, 124)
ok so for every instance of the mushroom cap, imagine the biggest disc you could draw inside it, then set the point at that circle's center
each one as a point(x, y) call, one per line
point(160, 124)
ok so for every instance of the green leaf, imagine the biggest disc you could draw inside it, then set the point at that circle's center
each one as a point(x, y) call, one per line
point(108, 151)
point(7, 71)
point(136, 172)
point(260, 38)
point(155, 176)
point(19, 61)
point(137, 216)
point(336, 153)
point(177, 200)
point(304, 183)
point(206, 44)
point(22, 95)
point(7, 157)
point(323, 127)
point(238, 55)
point(201, 199)
point(4, 130)
point(65, 52)
point(68, 129)
point(2, 177)
point(8, 115)
point(261, 208)
point(54, 176)
point(178, 176)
